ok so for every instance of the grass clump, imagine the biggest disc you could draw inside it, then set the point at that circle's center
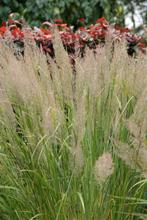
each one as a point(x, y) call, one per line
point(72, 141)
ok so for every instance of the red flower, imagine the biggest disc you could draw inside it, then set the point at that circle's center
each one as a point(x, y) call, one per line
point(61, 25)
point(142, 45)
point(82, 28)
point(17, 33)
point(59, 21)
point(121, 29)
point(3, 29)
point(4, 24)
point(101, 20)
point(45, 31)
point(81, 20)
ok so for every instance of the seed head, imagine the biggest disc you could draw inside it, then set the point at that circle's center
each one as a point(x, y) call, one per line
point(104, 167)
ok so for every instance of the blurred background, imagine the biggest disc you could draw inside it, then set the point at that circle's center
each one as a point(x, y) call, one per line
point(131, 13)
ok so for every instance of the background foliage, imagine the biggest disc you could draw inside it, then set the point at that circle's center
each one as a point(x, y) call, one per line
point(36, 11)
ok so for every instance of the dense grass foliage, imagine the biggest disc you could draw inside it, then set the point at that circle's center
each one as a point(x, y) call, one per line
point(72, 140)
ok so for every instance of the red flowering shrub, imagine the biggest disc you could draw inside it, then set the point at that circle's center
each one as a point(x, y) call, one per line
point(83, 37)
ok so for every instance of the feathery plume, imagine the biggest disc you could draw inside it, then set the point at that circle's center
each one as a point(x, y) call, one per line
point(104, 167)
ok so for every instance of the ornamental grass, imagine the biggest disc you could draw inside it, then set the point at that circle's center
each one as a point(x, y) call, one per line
point(73, 140)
